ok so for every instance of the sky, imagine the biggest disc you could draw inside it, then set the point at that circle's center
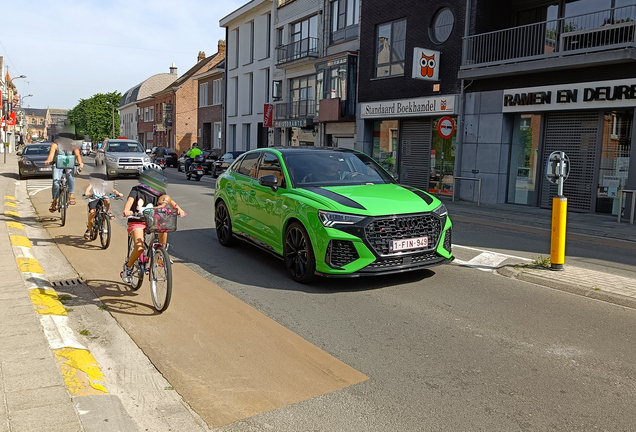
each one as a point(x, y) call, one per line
point(73, 49)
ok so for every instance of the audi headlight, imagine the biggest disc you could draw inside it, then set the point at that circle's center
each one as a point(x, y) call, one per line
point(441, 211)
point(331, 219)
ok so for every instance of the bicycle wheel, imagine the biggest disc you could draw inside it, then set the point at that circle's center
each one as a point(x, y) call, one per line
point(160, 279)
point(104, 230)
point(62, 203)
point(138, 271)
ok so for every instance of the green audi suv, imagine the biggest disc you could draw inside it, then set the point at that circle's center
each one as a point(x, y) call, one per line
point(330, 212)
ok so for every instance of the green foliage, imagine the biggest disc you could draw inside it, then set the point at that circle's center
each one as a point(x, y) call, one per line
point(97, 116)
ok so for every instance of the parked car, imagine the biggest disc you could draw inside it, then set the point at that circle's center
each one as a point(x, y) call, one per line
point(31, 161)
point(124, 156)
point(332, 212)
point(171, 157)
point(224, 162)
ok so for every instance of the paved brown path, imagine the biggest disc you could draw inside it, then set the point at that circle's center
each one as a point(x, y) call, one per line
point(225, 358)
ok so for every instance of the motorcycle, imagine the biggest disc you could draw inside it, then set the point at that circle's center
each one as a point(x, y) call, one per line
point(196, 168)
point(161, 162)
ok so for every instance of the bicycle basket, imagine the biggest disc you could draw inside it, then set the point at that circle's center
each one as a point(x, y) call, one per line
point(65, 161)
point(160, 220)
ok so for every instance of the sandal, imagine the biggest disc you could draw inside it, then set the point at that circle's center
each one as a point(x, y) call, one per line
point(53, 207)
point(87, 235)
point(111, 216)
point(71, 201)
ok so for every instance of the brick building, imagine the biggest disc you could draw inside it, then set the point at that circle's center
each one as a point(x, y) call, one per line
point(410, 54)
point(38, 121)
point(175, 107)
point(210, 111)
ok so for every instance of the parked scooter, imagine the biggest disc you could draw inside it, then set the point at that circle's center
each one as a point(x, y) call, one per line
point(196, 168)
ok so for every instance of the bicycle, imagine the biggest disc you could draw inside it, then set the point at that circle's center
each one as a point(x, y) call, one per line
point(64, 197)
point(154, 260)
point(101, 222)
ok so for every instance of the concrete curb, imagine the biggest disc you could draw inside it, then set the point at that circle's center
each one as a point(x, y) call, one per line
point(529, 275)
point(83, 378)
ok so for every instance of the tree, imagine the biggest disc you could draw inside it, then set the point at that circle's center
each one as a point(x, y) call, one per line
point(97, 116)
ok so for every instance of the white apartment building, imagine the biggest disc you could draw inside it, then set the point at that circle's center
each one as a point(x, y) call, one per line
point(298, 35)
point(249, 68)
point(128, 111)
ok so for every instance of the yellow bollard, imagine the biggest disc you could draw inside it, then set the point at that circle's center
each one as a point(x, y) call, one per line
point(557, 241)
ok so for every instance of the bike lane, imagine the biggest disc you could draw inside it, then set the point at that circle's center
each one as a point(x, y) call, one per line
point(226, 359)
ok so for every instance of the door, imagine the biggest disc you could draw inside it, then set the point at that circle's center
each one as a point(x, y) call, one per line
point(244, 180)
point(267, 212)
point(415, 152)
point(576, 134)
point(261, 136)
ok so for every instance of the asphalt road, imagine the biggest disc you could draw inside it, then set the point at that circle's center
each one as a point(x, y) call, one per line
point(452, 348)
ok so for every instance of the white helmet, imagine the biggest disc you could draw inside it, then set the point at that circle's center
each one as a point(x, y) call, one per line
point(153, 166)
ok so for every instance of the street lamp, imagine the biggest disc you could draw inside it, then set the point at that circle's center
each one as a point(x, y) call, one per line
point(7, 128)
point(22, 99)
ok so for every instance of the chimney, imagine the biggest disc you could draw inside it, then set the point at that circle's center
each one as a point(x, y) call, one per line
point(173, 69)
point(221, 49)
point(201, 56)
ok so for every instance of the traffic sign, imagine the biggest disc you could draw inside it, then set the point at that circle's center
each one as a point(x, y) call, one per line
point(446, 127)
point(557, 166)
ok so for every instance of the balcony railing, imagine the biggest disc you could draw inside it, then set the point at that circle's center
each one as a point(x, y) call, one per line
point(303, 48)
point(295, 110)
point(599, 31)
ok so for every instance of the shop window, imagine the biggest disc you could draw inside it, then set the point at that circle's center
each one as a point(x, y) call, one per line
point(524, 154)
point(442, 163)
point(391, 45)
point(614, 163)
point(385, 144)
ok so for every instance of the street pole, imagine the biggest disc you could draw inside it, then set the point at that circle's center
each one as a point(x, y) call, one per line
point(559, 217)
point(113, 127)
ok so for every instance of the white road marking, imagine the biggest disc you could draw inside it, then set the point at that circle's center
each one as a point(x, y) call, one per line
point(35, 186)
point(486, 260)
point(483, 250)
point(59, 333)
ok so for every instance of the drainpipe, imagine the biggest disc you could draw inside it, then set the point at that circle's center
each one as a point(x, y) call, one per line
point(462, 102)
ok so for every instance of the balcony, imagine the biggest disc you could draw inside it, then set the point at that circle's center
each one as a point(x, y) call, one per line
point(302, 49)
point(295, 110)
point(603, 37)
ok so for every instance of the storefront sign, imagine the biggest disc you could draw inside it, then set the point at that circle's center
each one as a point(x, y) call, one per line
point(600, 94)
point(159, 127)
point(293, 123)
point(426, 64)
point(417, 107)
point(268, 115)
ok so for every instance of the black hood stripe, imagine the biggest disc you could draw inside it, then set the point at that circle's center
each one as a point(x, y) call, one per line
point(426, 197)
point(340, 199)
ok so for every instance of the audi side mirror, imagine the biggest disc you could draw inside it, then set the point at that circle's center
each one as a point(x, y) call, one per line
point(269, 180)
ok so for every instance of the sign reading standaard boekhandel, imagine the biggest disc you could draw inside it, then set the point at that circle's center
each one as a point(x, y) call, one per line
point(416, 107)
point(589, 95)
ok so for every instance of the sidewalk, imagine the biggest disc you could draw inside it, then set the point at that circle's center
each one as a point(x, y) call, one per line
point(604, 286)
point(32, 388)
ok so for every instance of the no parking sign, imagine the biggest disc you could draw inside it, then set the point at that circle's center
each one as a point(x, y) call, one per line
point(446, 127)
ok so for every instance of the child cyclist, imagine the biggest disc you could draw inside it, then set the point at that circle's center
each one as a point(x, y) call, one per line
point(149, 192)
point(98, 188)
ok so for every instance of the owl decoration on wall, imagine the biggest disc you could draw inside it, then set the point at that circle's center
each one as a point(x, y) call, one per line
point(428, 65)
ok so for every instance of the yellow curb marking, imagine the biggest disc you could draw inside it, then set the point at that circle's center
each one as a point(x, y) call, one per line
point(11, 213)
point(9, 197)
point(15, 225)
point(80, 371)
point(10, 204)
point(29, 265)
point(46, 302)
point(18, 240)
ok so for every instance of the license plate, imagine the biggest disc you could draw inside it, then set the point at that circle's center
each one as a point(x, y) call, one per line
point(408, 244)
point(131, 167)
point(46, 169)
